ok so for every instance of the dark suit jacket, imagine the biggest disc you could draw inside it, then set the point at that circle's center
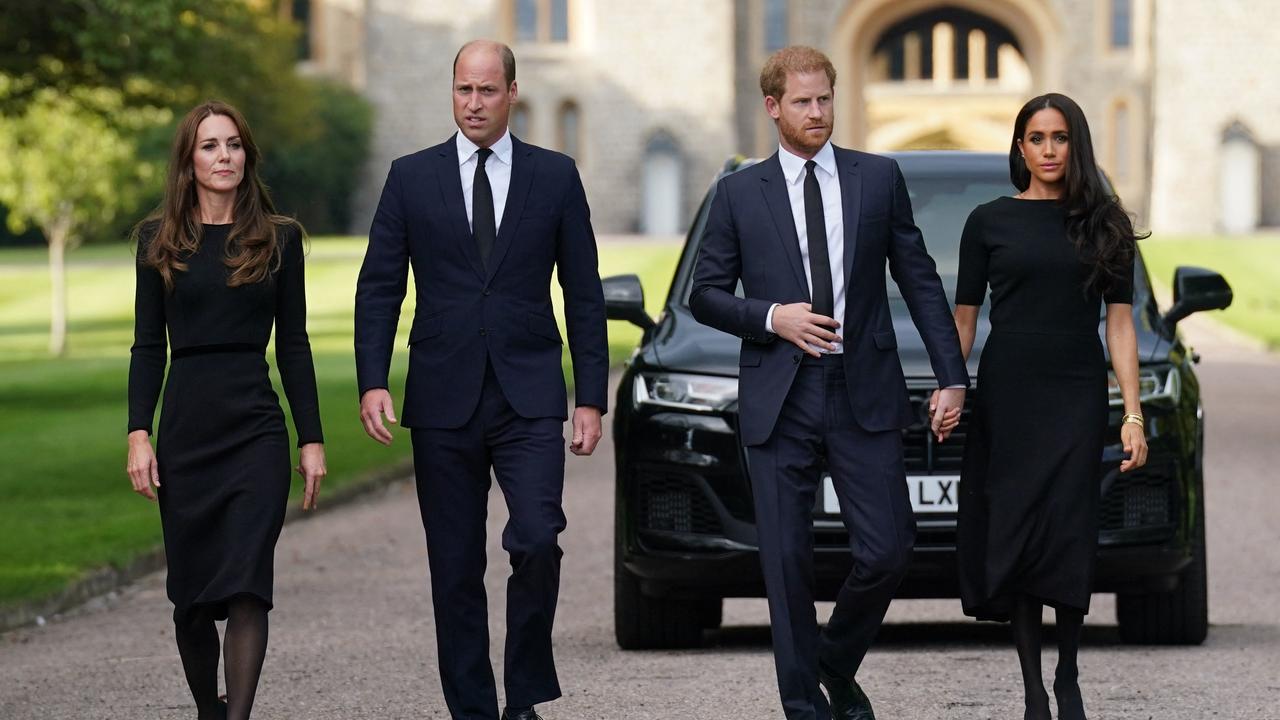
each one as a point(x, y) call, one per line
point(467, 315)
point(751, 236)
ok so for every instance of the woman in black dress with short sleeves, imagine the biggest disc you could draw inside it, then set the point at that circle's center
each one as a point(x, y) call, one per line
point(1028, 529)
point(217, 269)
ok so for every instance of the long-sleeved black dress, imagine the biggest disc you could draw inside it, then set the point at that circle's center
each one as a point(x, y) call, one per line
point(223, 448)
point(1029, 481)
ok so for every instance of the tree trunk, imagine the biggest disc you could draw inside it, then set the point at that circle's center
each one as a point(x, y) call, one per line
point(59, 234)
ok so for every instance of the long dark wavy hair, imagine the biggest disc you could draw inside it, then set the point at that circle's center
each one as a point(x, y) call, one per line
point(1097, 223)
point(253, 245)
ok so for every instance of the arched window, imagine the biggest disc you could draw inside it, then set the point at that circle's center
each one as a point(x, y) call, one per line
point(1239, 180)
point(663, 186)
point(943, 44)
point(1120, 149)
point(569, 130)
point(520, 123)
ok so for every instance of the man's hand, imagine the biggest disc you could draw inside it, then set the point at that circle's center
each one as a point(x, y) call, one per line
point(797, 323)
point(944, 411)
point(373, 405)
point(586, 430)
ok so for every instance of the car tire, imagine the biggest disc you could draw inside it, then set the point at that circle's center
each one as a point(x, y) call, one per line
point(1177, 617)
point(641, 622)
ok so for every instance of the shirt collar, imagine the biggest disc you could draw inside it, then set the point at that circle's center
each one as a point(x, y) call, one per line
point(793, 165)
point(501, 148)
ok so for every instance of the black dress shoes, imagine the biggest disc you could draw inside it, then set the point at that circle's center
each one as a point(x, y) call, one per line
point(511, 713)
point(848, 702)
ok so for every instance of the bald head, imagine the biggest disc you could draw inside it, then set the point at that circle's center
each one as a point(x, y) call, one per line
point(502, 52)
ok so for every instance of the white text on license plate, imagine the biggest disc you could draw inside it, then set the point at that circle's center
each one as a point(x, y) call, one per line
point(929, 494)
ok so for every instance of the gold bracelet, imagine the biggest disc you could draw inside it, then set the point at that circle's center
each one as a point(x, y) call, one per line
point(1133, 419)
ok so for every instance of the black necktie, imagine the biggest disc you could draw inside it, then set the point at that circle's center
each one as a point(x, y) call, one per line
point(815, 224)
point(483, 226)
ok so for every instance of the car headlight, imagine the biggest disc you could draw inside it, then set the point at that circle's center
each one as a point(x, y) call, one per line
point(1155, 384)
point(697, 393)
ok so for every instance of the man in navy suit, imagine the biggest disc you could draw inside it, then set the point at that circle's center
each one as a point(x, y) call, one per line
point(809, 233)
point(483, 219)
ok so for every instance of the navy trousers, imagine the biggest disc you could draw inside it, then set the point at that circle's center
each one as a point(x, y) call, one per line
point(816, 429)
point(453, 466)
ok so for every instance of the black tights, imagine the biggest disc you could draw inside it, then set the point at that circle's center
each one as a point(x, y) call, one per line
point(1026, 636)
point(244, 650)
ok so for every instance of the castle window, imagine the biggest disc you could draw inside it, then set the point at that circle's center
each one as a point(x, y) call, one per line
point(776, 23)
point(545, 21)
point(520, 121)
point(1121, 23)
point(1120, 169)
point(569, 129)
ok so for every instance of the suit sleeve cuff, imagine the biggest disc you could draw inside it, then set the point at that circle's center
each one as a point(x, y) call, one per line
point(768, 318)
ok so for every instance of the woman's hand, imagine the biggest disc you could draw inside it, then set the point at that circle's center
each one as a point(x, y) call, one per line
point(950, 417)
point(1134, 438)
point(311, 468)
point(143, 470)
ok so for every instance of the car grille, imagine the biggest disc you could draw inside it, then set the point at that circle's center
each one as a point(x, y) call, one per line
point(1139, 499)
point(675, 502)
point(921, 452)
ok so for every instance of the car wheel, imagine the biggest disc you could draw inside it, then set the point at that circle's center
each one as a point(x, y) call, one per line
point(1177, 617)
point(641, 622)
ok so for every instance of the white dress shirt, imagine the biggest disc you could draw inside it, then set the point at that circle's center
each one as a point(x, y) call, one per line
point(793, 171)
point(497, 167)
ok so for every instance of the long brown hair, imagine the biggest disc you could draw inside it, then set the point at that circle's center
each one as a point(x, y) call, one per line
point(1097, 223)
point(253, 245)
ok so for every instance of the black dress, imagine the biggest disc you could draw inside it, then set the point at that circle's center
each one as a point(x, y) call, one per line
point(223, 449)
point(1028, 516)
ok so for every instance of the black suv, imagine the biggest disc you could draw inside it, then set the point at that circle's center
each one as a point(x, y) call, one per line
point(685, 535)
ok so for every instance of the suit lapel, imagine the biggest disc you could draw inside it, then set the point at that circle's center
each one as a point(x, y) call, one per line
point(774, 186)
point(450, 180)
point(522, 166)
point(851, 208)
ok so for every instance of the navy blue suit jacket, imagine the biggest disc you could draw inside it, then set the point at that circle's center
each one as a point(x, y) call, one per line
point(467, 314)
point(751, 236)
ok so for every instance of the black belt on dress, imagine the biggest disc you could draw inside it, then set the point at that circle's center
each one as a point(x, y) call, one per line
point(179, 353)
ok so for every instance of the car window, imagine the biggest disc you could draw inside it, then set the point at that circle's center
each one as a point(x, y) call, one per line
point(942, 204)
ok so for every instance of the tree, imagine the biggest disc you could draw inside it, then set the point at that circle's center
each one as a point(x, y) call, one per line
point(67, 166)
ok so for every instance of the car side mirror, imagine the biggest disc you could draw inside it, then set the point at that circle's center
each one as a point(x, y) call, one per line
point(624, 300)
point(1195, 289)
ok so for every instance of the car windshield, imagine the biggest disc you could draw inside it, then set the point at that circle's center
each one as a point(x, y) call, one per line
point(941, 202)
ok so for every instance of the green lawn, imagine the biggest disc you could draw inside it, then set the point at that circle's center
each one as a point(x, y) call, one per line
point(1250, 265)
point(65, 502)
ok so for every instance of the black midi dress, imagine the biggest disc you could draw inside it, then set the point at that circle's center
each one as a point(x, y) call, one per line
point(223, 448)
point(1028, 515)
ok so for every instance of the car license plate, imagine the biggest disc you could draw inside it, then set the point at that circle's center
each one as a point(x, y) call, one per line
point(929, 494)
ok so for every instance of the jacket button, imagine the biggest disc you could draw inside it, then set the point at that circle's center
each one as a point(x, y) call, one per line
point(487, 293)
point(795, 359)
point(482, 331)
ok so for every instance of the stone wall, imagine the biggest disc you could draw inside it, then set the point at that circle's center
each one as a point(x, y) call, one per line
point(1216, 64)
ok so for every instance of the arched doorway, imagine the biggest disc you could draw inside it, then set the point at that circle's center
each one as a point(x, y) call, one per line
point(940, 73)
point(662, 186)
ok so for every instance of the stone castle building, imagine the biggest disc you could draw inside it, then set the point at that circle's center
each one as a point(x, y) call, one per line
point(652, 96)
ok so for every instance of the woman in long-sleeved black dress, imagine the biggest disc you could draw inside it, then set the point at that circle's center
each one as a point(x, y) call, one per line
point(217, 268)
point(1028, 528)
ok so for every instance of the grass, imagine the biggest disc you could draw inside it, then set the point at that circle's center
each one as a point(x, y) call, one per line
point(66, 506)
point(1248, 263)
